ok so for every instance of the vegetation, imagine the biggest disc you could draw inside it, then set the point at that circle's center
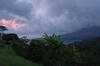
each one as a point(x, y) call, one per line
point(8, 57)
point(10, 37)
point(2, 28)
point(52, 52)
point(89, 52)
point(20, 47)
point(49, 52)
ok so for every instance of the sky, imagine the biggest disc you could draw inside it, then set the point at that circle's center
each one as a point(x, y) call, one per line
point(33, 18)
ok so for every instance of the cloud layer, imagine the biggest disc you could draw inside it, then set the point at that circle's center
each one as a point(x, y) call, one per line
point(35, 17)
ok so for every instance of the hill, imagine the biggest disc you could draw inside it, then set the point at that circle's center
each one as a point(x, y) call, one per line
point(85, 33)
point(8, 57)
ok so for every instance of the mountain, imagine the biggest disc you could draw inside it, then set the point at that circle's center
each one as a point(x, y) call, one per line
point(85, 33)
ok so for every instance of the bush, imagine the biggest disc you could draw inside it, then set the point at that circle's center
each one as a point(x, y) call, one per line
point(36, 51)
point(52, 52)
point(2, 43)
point(20, 47)
point(90, 52)
point(10, 37)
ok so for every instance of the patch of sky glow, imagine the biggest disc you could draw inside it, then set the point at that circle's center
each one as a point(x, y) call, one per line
point(12, 23)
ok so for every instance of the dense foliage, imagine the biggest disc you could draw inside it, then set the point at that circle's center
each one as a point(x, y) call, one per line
point(8, 57)
point(52, 52)
point(2, 28)
point(10, 37)
point(20, 47)
point(89, 52)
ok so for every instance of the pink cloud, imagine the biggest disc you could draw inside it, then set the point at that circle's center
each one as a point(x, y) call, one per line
point(5, 22)
point(12, 23)
point(39, 11)
point(17, 25)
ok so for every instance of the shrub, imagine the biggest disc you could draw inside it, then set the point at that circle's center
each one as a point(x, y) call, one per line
point(52, 52)
point(90, 52)
point(10, 37)
point(36, 51)
point(20, 47)
point(2, 43)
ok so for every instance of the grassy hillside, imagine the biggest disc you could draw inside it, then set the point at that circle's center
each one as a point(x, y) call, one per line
point(8, 57)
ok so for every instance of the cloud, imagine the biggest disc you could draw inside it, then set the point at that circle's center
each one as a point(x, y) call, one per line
point(76, 14)
point(20, 8)
point(11, 23)
point(49, 16)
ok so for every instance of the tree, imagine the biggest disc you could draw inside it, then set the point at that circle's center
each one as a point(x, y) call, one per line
point(52, 52)
point(2, 28)
point(10, 37)
point(25, 39)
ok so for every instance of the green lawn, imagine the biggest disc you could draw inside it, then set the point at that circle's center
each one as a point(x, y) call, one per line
point(8, 57)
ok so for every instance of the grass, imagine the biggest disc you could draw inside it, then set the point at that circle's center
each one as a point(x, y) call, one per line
point(8, 57)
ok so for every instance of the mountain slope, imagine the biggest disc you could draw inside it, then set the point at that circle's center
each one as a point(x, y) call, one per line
point(85, 33)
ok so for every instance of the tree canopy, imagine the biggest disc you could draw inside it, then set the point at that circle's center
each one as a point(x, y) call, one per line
point(3, 28)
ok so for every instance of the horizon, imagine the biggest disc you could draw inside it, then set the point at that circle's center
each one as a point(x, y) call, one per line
point(41, 35)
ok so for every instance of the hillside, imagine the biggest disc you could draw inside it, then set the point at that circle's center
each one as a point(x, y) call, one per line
point(8, 57)
point(85, 33)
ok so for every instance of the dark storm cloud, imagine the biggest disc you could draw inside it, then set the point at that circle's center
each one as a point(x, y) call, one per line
point(59, 7)
point(52, 16)
point(77, 14)
point(5, 15)
point(15, 7)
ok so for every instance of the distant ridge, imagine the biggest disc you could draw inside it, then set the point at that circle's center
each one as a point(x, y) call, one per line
point(85, 33)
